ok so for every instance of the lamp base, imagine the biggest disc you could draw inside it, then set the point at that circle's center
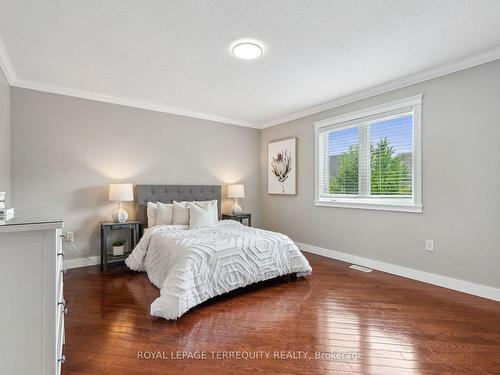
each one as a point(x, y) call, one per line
point(236, 207)
point(120, 216)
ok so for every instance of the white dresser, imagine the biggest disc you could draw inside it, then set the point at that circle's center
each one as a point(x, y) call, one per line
point(32, 305)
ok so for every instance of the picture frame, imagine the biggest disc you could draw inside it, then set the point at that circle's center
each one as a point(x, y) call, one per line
point(282, 166)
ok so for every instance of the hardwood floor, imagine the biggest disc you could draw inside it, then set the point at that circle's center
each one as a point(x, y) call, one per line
point(398, 326)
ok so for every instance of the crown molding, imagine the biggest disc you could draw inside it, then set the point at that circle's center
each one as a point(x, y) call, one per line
point(6, 64)
point(40, 86)
point(14, 80)
point(451, 67)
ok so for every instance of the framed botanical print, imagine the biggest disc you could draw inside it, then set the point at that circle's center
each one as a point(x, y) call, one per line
point(282, 167)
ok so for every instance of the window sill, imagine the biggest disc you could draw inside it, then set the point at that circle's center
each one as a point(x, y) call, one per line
point(371, 206)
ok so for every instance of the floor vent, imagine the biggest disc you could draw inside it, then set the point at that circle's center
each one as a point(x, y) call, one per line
point(360, 268)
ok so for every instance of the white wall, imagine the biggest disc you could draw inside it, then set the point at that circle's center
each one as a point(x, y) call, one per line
point(65, 151)
point(4, 135)
point(461, 184)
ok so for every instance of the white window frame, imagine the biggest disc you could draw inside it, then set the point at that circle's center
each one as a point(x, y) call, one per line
point(412, 104)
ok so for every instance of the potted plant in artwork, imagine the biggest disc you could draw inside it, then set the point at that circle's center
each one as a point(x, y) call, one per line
point(118, 248)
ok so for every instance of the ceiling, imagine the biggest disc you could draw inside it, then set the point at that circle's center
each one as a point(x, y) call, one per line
point(174, 56)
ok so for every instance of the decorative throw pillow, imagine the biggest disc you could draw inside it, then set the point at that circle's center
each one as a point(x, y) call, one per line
point(200, 217)
point(212, 205)
point(164, 214)
point(151, 214)
point(181, 213)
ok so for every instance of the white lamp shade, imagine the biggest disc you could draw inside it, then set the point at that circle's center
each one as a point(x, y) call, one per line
point(236, 191)
point(121, 192)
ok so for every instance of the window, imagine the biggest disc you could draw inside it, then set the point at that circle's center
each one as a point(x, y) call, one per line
point(371, 158)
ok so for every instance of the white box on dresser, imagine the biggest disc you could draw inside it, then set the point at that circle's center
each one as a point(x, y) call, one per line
point(31, 294)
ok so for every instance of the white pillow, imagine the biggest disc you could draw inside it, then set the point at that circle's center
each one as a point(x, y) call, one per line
point(181, 213)
point(212, 205)
point(164, 214)
point(173, 227)
point(200, 217)
point(151, 214)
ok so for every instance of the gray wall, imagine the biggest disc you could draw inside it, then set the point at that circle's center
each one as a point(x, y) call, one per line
point(4, 135)
point(65, 151)
point(461, 185)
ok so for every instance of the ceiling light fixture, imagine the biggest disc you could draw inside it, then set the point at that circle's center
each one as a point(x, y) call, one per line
point(247, 50)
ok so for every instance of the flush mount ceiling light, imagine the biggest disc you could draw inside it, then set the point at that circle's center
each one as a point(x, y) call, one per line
point(247, 50)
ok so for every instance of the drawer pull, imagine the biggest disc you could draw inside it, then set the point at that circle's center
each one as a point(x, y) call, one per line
point(63, 302)
point(64, 270)
point(60, 254)
point(62, 359)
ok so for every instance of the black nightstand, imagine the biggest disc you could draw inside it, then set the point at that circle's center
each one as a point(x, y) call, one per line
point(239, 217)
point(135, 233)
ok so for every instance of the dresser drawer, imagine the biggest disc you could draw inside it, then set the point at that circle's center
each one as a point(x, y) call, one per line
point(59, 249)
point(59, 283)
point(59, 263)
point(60, 341)
point(60, 332)
point(61, 302)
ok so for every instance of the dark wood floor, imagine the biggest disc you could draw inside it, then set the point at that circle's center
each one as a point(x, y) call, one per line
point(399, 326)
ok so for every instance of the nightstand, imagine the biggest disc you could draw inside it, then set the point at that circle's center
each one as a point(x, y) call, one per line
point(239, 217)
point(134, 228)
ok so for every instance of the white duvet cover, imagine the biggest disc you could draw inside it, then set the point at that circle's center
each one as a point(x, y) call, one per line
point(191, 266)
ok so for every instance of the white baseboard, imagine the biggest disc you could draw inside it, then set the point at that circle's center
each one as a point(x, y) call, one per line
point(82, 262)
point(426, 277)
point(410, 273)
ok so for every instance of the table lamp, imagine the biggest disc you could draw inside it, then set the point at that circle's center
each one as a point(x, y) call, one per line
point(121, 193)
point(236, 192)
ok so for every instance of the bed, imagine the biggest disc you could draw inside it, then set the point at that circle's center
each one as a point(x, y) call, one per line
point(192, 266)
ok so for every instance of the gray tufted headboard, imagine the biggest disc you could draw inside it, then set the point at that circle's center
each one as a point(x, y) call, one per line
point(170, 193)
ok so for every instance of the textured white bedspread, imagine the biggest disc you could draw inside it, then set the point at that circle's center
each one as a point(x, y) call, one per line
point(191, 266)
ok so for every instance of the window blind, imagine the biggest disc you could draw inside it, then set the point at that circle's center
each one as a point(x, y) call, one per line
point(370, 157)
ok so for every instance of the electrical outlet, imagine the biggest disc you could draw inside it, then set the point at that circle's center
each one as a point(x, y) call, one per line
point(70, 236)
point(429, 245)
